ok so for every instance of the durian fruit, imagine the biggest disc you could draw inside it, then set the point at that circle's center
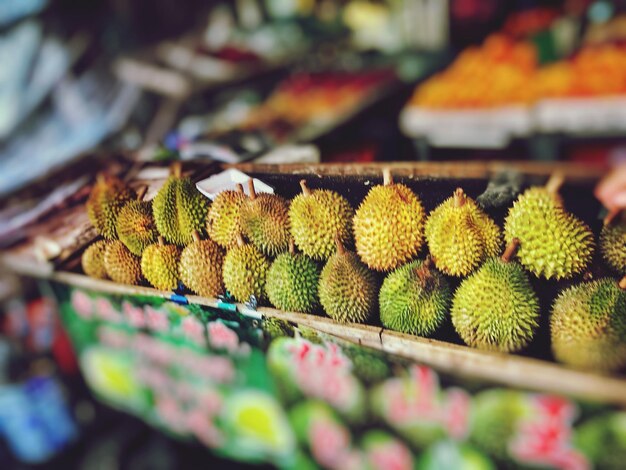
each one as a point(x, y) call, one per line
point(367, 365)
point(121, 265)
point(159, 264)
point(389, 225)
point(347, 288)
point(554, 243)
point(613, 242)
point(495, 420)
point(264, 221)
point(179, 209)
point(414, 299)
point(245, 271)
point(276, 328)
point(92, 260)
point(200, 267)
point(317, 218)
point(108, 195)
point(135, 225)
point(603, 440)
point(495, 308)
point(292, 281)
point(461, 236)
point(223, 219)
point(588, 325)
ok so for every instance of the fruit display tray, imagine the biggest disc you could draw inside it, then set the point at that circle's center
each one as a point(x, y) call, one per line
point(533, 369)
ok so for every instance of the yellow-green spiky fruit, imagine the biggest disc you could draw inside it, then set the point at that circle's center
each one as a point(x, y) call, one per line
point(292, 281)
point(108, 196)
point(159, 264)
point(461, 236)
point(317, 219)
point(554, 243)
point(495, 308)
point(245, 271)
point(588, 325)
point(121, 265)
point(414, 299)
point(135, 225)
point(200, 267)
point(179, 209)
point(389, 226)
point(92, 260)
point(223, 220)
point(347, 289)
point(264, 220)
point(613, 244)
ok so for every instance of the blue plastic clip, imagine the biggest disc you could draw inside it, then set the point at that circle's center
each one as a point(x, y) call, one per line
point(179, 299)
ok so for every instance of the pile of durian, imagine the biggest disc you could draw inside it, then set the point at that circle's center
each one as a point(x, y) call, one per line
point(296, 255)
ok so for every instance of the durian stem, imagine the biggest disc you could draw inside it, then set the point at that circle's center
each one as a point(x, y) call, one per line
point(340, 248)
point(251, 189)
point(622, 283)
point(510, 250)
point(424, 271)
point(141, 192)
point(611, 216)
point(161, 240)
point(387, 178)
point(555, 182)
point(305, 189)
point(195, 235)
point(240, 241)
point(239, 188)
point(101, 178)
point(459, 198)
point(176, 169)
point(428, 262)
point(292, 247)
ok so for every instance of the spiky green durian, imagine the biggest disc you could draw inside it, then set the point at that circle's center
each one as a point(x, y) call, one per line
point(264, 220)
point(347, 288)
point(414, 299)
point(121, 265)
point(292, 281)
point(613, 244)
point(389, 226)
point(276, 328)
point(317, 218)
point(367, 365)
point(461, 236)
point(135, 225)
point(108, 196)
point(179, 209)
point(200, 267)
point(92, 260)
point(245, 271)
point(588, 325)
point(223, 219)
point(496, 417)
point(554, 243)
point(495, 308)
point(159, 264)
point(603, 440)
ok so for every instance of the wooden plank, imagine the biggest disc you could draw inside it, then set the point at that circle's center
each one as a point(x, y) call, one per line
point(454, 169)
